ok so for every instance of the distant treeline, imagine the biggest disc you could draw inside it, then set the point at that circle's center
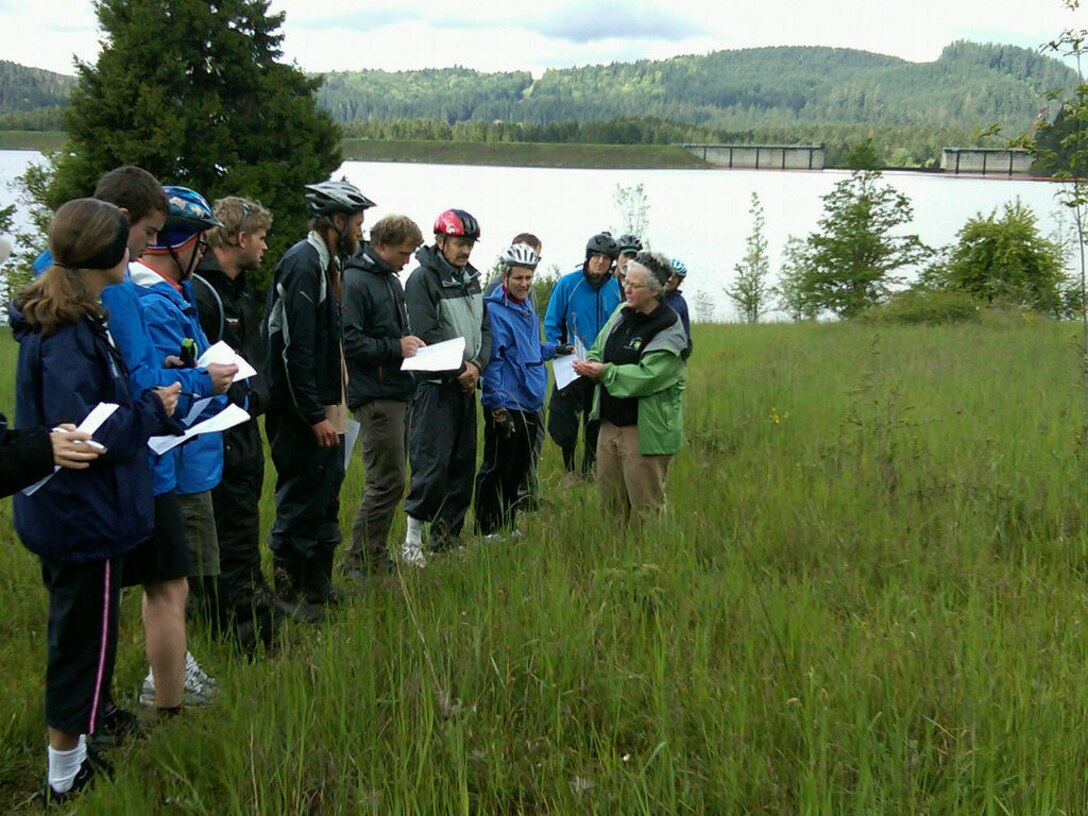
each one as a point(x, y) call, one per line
point(898, 145)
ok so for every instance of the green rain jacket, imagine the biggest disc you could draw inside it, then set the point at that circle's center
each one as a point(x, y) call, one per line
point(657, 381)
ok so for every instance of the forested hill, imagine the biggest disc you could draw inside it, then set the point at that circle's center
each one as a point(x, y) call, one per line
point(969, 85)
point(25, 89)
point(32, 97)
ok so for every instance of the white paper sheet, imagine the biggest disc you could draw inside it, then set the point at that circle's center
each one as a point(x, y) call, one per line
point(222, 353)
point(91, 423)
point(195, 411)
point(349, 440)
point(227, 418)
point(579, 348)
point(563, 368)
point(445, 356)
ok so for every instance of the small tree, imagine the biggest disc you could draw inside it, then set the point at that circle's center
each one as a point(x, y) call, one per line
point(634, 209)
point(192, 91)
point(703, 306)
point(1005, 260)
point(749, 291)
point(791, 295)
point(849, 264)
point(1067, 156)
point(544, 285)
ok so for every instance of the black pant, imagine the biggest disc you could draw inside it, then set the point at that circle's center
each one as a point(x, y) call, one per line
point(308, 480)
point(506, 463)
point(568, 409)
point(236, 501)
point(442, 454)
point(84, 603)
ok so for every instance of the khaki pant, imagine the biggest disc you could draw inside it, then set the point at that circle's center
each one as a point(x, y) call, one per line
point(383, 439)
point(629, 480)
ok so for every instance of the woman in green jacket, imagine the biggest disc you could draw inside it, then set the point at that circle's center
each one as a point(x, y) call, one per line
point(638, 360)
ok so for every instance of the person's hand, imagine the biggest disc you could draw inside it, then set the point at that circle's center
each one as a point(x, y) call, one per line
point(468, 378)
point(169, 397)
point(325, 434)
point(585, 368)
point(173, 361)
point(563, 349)
point(222, 375)
point(410, 345)
point(504, 421)
point(70, 448)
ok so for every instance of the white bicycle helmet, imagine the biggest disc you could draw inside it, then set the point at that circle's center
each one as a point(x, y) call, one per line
point(520, 255)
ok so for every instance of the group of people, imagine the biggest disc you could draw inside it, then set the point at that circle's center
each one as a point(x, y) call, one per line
point(141, 280)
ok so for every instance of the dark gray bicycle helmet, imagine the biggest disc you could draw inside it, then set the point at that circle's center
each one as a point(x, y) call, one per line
point(330, 197)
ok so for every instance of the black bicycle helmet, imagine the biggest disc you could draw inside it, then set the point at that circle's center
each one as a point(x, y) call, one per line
point(604, 243)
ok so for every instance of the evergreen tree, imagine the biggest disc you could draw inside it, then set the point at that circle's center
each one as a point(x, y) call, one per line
point(849, 264)
point(191, 90)
point(749, 290)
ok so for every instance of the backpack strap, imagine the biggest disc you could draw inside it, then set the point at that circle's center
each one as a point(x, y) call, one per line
point(218, 303)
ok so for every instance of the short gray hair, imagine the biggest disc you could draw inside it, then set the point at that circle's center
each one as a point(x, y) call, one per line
point(647, 261)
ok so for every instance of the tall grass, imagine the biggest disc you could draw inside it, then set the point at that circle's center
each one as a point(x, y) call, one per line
point(869, 597)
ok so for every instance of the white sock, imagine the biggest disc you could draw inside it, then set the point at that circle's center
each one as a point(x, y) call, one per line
point(64, 765)
point(415, 532)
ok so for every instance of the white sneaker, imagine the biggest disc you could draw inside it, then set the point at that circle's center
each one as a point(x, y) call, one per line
point(413, 555)
point(200, 689)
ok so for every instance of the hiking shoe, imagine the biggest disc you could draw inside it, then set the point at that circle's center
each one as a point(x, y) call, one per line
point(413, 555)
point(200, 689)
point(117, 727)
point(92, 766)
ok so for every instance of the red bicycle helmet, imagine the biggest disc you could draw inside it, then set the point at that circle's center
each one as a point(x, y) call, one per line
point(457, 222)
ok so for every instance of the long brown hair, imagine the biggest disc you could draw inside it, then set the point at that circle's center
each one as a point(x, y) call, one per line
point(83, 232)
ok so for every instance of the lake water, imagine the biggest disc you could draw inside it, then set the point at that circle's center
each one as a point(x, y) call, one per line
point(699, 216)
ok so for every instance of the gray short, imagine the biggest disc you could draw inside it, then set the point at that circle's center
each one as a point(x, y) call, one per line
point(200, 532)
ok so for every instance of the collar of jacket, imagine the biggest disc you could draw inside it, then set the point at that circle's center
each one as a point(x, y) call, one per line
point(433, 258)
point(210, 270)
point(143, 275)
point(317, 242)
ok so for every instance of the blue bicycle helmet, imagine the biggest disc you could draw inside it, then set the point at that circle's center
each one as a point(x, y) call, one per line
point(679, 268)
point(189, 215)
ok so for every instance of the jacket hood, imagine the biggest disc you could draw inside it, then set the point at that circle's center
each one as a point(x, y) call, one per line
point(368, 260)
point(19, 327)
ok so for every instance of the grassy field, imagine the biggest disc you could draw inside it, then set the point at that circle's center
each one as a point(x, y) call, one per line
point(520, 154)
point(870, 597)
point(523, 154)
point(32, 140)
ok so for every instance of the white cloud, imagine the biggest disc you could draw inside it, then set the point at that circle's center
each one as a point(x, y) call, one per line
point(501, 35)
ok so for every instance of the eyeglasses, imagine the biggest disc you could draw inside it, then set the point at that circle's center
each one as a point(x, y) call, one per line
point(201, 246)
point(628, 285)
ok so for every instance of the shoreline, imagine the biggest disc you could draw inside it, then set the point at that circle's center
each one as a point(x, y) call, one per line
point(558, 155)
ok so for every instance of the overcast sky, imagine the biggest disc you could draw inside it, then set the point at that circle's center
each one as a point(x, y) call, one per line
point(493, 35)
